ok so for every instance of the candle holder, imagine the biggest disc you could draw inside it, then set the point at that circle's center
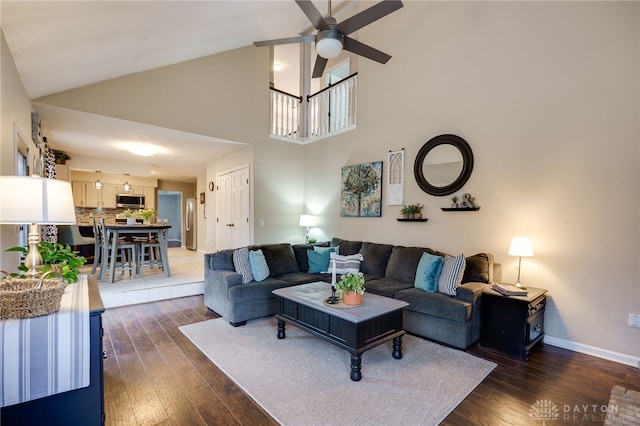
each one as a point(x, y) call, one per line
point(333, 300)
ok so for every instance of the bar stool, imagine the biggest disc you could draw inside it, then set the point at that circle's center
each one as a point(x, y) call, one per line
point(128, 251)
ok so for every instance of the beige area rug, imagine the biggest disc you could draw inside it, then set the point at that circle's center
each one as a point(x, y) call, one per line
point(624, 408)
point(303, 380)
point(186, 267)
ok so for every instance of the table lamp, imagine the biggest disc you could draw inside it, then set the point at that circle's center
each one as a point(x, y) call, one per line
point(308, 221)
point(35, 201)
point(521, 247)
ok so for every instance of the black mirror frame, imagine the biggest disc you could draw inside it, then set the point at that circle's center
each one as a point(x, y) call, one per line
point(465, 173)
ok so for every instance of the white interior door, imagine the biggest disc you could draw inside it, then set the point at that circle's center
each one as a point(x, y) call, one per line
point(224, 212)
point(240, 195)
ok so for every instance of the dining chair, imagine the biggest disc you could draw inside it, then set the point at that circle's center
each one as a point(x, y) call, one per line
point(128, 251)
point(149, 254)
point(70, 234)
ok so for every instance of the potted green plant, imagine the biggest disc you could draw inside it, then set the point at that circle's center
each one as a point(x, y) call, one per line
point(454, 201)
point(55, 257)
point(351, 286)
point(417, 213)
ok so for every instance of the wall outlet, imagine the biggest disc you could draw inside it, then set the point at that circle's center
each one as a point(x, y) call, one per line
point(634, 320)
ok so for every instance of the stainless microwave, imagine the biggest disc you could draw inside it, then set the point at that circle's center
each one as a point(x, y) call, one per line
point(130, 201)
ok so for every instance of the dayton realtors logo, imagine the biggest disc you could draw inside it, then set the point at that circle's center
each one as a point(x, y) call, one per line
point(546, 410)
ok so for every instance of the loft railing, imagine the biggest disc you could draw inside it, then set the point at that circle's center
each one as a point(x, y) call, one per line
point(331, 110)
point(285, 114)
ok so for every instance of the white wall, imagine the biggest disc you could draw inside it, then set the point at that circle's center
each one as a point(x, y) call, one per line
point(15, 110)
point(547, 95)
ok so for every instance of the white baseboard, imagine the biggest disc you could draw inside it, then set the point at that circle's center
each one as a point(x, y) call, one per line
point(592, 350)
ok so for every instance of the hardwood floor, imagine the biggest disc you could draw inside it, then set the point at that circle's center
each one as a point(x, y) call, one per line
point(154, 375)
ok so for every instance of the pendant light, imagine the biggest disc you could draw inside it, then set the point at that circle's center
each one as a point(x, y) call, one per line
point(126, 186)
point(98, 183)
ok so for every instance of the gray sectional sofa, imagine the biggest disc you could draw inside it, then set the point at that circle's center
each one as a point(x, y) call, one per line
point(389, 271)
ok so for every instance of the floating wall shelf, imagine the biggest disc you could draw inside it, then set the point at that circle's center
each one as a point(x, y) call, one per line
point(460, 209)
point(411, 220)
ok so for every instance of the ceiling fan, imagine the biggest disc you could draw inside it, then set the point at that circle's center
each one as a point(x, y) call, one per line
point(332, 37)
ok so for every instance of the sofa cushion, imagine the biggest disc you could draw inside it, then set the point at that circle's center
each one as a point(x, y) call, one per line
point(451, 275)
point(428, 272)
point(280, 258)
point(259, 267)
point(376, 257)
point(300, 251)
point(403, 262)
point(437, 304)
point(346, 247)
point(241, 264)
point(478, 268)
point(296, 278)
point(255, 290)
point(385, 286)
point(222, 260)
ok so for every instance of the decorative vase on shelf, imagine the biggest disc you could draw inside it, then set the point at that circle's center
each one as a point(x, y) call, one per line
point(417, 215)
point(351, 298)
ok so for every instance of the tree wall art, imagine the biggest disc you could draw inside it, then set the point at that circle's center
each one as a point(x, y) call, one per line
point(361, 192)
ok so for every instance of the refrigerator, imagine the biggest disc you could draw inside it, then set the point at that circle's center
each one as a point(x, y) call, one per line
point(190, 224)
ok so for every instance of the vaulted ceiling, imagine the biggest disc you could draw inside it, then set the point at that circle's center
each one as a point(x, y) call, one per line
point(59, 45)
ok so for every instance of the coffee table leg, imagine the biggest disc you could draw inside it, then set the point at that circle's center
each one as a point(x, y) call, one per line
point(397, 347)
point(281, 333)
point(355, 367)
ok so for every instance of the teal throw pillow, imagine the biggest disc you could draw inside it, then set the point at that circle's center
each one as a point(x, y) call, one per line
point(428, 272)
point(319, 259)
point(259, 267)
point(327, 249)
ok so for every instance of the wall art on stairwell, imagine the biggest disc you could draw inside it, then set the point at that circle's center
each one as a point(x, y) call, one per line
point(361, 191)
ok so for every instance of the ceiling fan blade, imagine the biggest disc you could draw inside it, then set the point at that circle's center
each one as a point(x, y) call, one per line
point(288, 40)
point(364, 50)
point(375, 12)
point(318, 69)
point(313, 14)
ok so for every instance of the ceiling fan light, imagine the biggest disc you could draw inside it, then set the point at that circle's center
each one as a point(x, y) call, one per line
point(329, 47)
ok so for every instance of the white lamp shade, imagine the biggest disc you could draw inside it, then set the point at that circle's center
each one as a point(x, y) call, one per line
point(307, 220)
point(329, 48)
point(25, 199)
point(521, 246)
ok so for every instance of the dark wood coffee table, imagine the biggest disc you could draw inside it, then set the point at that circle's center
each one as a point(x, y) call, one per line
point(377, 320)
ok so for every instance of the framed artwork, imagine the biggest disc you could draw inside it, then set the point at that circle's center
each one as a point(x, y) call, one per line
point(202, 198)
point(395, 178)
point(361, 190)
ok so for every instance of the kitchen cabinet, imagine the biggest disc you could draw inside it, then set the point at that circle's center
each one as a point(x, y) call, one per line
point(149, 193)
point(86, 195)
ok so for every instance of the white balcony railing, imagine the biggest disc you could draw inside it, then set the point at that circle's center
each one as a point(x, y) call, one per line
point(326, 112)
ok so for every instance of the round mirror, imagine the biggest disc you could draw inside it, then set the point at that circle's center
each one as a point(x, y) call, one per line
point(443, 165)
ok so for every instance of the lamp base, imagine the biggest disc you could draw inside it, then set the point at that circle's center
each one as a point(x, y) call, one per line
point(33, 260)
point(520, 286)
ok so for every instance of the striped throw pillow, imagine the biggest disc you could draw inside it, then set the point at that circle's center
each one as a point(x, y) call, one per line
point(451, 275)
point(241, 263)
point(345, 264)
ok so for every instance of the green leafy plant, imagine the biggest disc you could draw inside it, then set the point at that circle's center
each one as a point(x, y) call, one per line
point(146, 214)
point(128, 213)
point(351, 282)
point(412, 208)
point(55, 257)
point(454, 199)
